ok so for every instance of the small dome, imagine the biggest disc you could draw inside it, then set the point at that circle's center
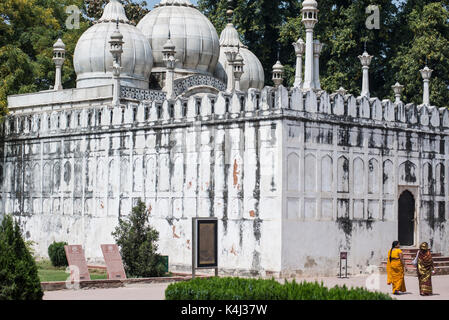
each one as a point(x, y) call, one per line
point(310, 4)
point(93, 61)
point(194, 36)
point(253, 73)
point(59, 44)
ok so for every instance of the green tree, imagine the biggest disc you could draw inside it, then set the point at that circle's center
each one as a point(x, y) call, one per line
point(342, 29)
point(28, 30)
point(19, 279)
point(138, 244)
point(428, 40)
point(258, 22)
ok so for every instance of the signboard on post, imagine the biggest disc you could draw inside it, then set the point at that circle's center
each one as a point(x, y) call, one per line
point(205, 244)
point(77, 263)
point(344, 257)
point(113, 261)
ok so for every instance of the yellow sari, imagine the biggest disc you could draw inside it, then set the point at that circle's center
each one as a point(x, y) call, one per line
point(395, 271)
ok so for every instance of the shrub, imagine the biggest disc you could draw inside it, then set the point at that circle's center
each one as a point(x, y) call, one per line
point(137, 242)
point(19, 279)
point(259, 289)
point(57, 255)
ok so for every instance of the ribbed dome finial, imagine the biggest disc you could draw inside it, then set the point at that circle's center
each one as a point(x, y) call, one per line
point(174, 3)
point(113, 11)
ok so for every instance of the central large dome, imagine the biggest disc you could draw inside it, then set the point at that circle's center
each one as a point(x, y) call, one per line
point(195, 38)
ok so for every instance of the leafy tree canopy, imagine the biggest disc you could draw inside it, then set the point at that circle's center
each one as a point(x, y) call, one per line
point(28, 30)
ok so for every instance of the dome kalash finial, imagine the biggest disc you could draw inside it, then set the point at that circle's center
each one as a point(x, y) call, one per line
point(230, 11)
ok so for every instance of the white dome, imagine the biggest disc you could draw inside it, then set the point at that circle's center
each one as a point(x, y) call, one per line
point(195, 38)
point(253, 73)
point(93, 61)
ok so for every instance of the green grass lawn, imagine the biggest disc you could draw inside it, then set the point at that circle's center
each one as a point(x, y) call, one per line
point(49, 273)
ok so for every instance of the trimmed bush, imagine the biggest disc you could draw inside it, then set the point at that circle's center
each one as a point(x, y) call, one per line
point(260, 289)
point(57, 255)
point(19, 279)
point(138, 244)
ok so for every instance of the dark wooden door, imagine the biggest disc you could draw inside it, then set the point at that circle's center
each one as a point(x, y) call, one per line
point(406, 219)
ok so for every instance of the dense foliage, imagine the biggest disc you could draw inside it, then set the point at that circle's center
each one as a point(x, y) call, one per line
point(28, 30)
point(18, 271)
point(138, 244)
point(259, 289)
point(57, 254)
point(410, 32)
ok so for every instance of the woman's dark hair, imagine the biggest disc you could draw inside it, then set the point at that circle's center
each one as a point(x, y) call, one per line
point(395, 243)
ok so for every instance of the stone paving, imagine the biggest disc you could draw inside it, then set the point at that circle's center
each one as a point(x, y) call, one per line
point(156, 291)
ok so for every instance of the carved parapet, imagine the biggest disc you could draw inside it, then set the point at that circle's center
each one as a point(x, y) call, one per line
point(252, 101)
point(311, 103)
point(376, 109)
point(388, 111)
point(411, 113)
point(141, 94)
point(424, 118)
point(338, 105)
point(297, 99)
point(324, 103)
point(281, 98)
point(206, 108)
point(434, 116)
point(236, 106)
point(400, 112)
point(352, 107)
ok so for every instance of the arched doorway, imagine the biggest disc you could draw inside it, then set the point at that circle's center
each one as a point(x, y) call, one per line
point(406, 219)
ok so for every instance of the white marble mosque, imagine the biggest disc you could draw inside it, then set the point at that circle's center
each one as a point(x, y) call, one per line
point(169, 112)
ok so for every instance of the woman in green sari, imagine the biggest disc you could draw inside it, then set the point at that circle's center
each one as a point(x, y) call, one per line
point(425, 269)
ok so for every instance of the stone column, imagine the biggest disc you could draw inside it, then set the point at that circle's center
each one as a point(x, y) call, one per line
point(116, 49)
point(309, 19)
point(238, 70)
point(300, 48)
point(426, 73)
point(317, 47)
point(365, 59)
point(231, 55)
point(58, 59)
point(170, 62)
point(397, 88)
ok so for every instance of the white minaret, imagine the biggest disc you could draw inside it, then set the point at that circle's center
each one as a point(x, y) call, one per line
point(317, 47)
point(397, 89)
point(309, 19)
point(58, 59)
point(365, 59)
point(116, 49)
point(426, 73)
point(231, 56)
point(170, 62)
point(238, 70)
point(300, 48)
point(278, 74)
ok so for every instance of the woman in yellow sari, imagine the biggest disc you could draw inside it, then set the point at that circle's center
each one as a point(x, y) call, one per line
point(396, 268)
